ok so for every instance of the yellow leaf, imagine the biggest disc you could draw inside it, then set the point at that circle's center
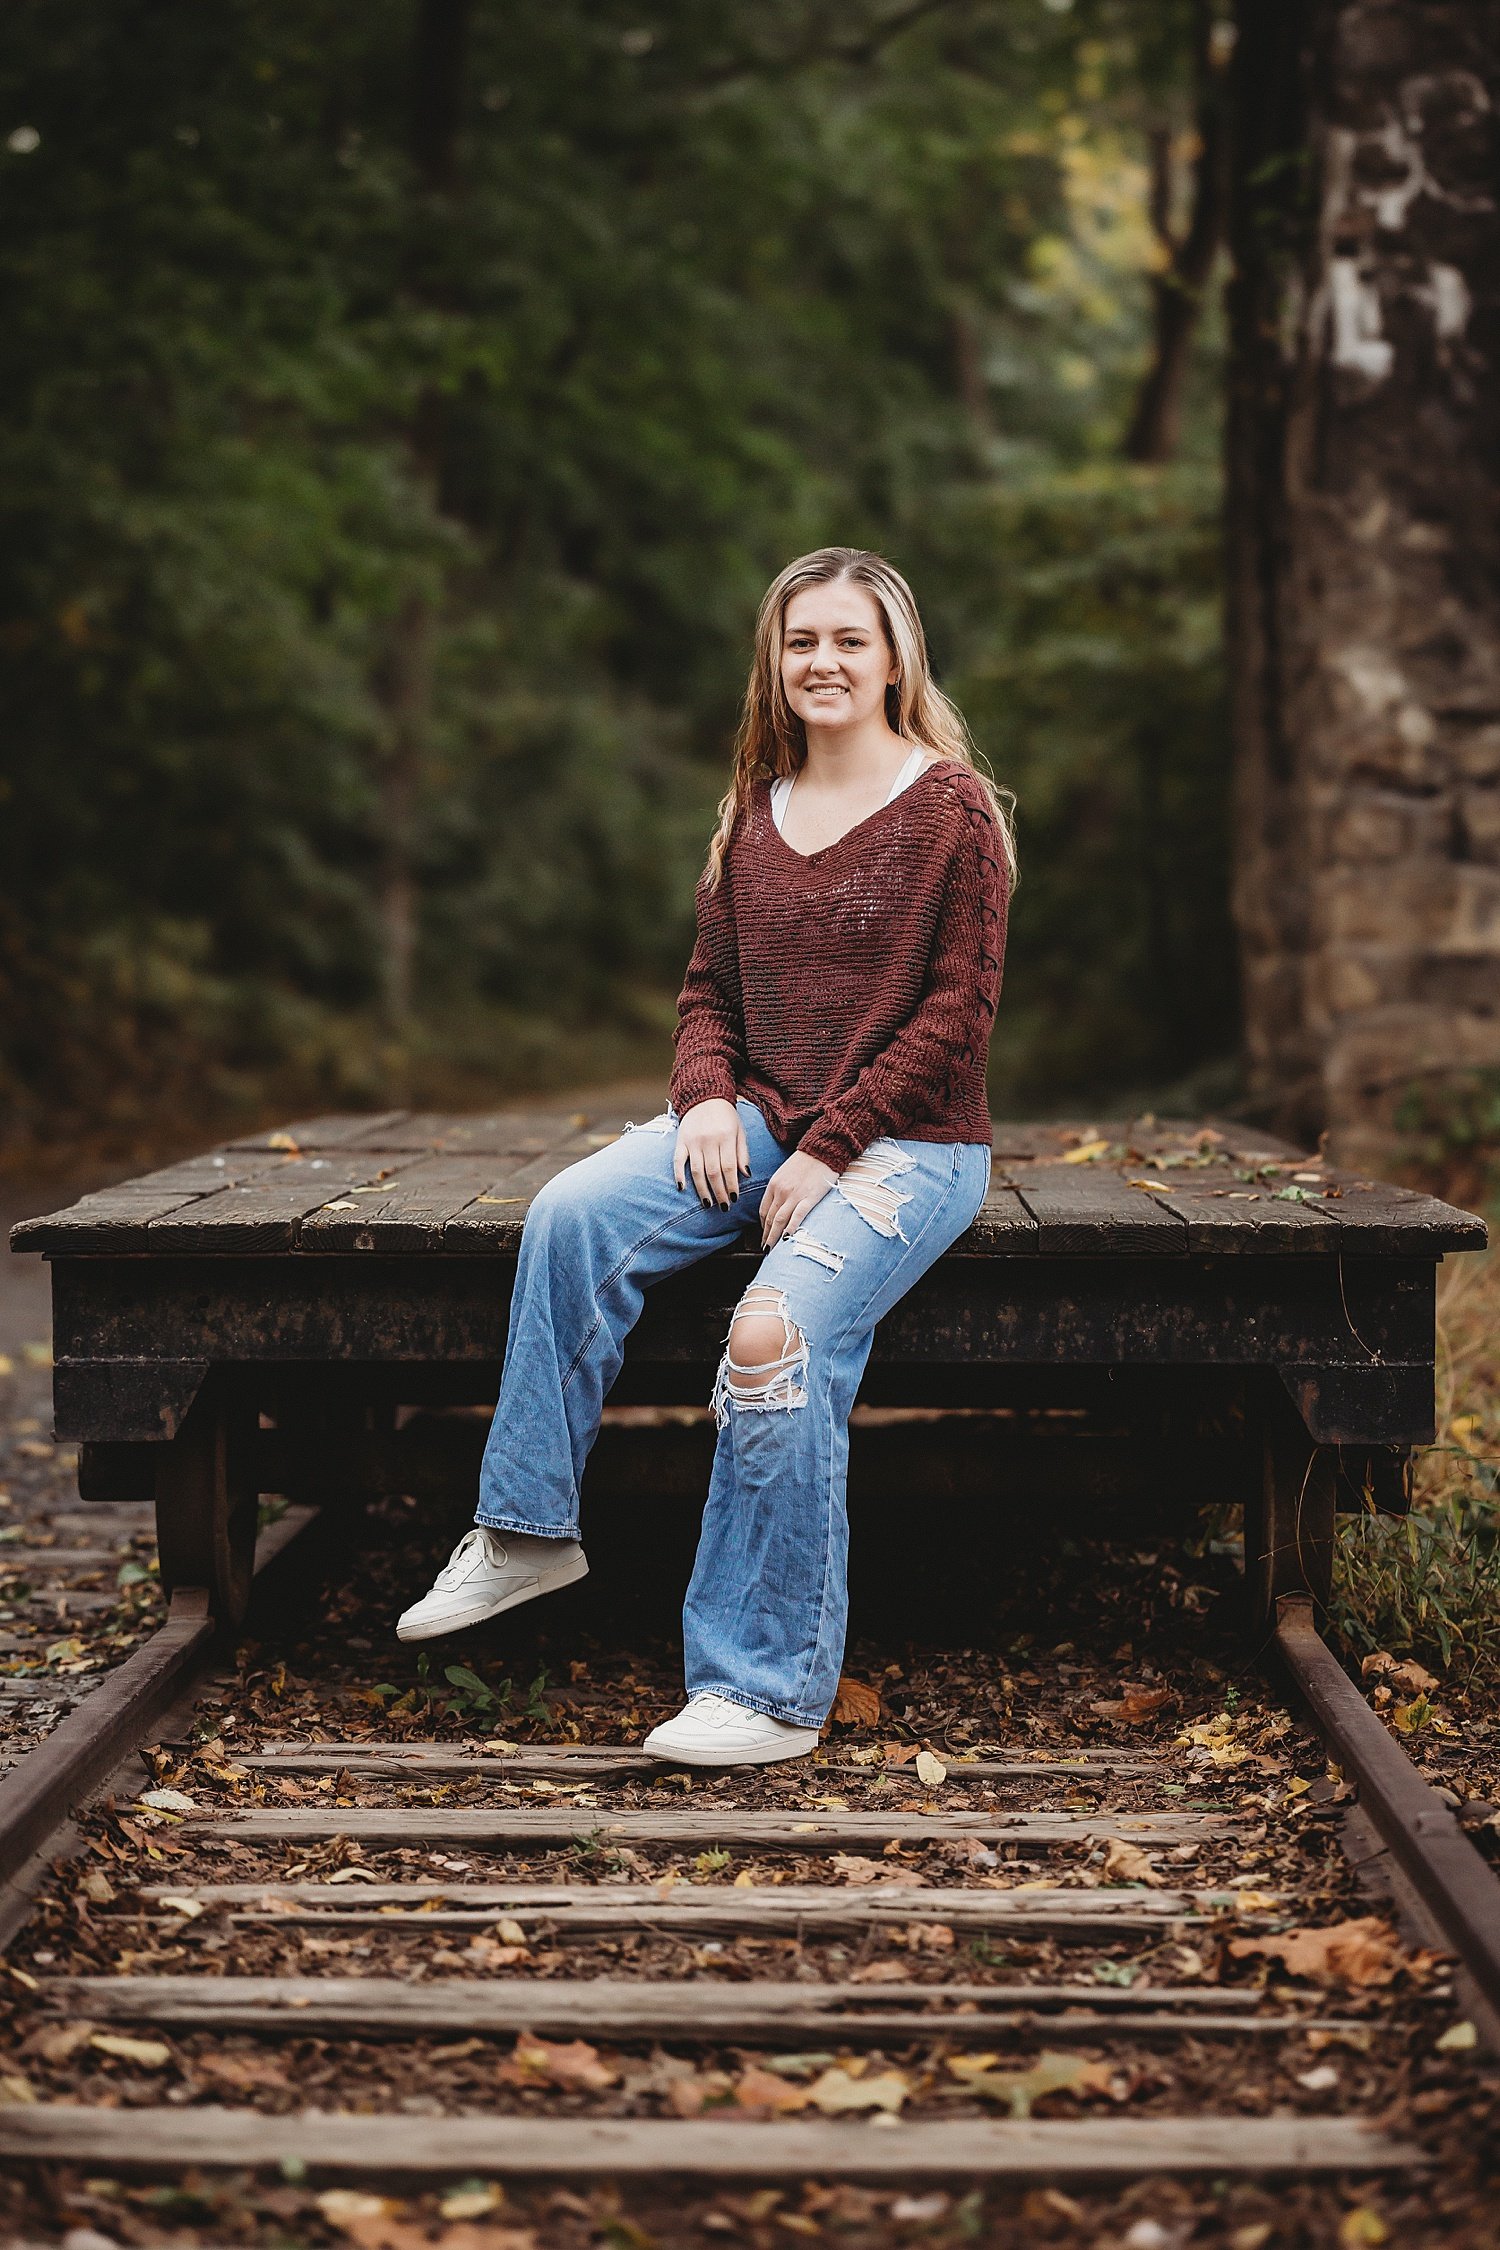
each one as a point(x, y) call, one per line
point(1049, 2074)
point(931, 1771)
point(16, 2093)
point(472, 2202)
point(509, 1932)
point(340, 2205)
point(283, 1144)
point(1362, 2229)
point(1458, 2039)
point(149, 2053)
point(837, 2090)
point(1087, 1152)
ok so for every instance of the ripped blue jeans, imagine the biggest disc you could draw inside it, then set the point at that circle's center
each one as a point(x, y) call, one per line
point(767, 1606)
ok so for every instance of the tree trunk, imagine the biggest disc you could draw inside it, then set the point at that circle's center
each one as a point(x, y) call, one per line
point(1178, 289)
point(1364, 555)
point(407, 695)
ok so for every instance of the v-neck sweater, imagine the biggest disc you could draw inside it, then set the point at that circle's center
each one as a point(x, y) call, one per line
point(850, 992)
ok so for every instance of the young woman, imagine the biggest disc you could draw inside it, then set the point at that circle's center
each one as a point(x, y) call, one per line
point(829, 1091)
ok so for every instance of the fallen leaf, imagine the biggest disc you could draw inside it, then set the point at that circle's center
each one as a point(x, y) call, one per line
point(16, 2093)
point(836, 2091)
point(931, 1771)
point(544, 2062)
point(1458, 2039)
point(1134, 1705)
point(182, 1902)
point(1127, 1863)
point(1217, 1737)
point(509, 1932)
point(475, 2202)
point(1362, 2229)
point(1021, 2089)
point(1321, 2079)
point(167, 1800)
point(855, 1704)
point(243, 2074)
point(1407, 1675)
point(764, 2090)
point(58, 2042)
point(1087, 1152)
point(881, 1972)
point(150, 2054)
point(1363, 1951)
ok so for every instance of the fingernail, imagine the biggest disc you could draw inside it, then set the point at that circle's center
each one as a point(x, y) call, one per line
point(706, 1201)
point(734, 1195)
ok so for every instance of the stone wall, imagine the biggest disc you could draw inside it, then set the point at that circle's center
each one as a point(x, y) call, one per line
point(1364, 555)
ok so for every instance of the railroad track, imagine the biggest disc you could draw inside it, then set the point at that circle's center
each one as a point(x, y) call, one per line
point(346, 1961)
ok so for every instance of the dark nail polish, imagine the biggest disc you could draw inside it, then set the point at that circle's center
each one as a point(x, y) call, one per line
point(706, 1201)
point(734, 1195)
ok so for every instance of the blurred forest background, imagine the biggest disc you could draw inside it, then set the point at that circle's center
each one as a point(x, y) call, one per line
point(406, 406)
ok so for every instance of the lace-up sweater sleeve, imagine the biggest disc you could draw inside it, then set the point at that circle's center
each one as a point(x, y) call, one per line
point(710, 1035)
point(911, 1082)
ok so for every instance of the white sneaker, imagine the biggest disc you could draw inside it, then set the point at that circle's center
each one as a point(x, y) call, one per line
point(487, 1572)
point(712, 1731)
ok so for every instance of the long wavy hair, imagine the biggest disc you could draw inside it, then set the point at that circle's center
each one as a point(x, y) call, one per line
point(772, 743)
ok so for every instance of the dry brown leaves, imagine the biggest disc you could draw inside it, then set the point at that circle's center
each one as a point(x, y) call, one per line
point(1127, 1863)
point(1406, 1677)
point(855, 1704)
point(572, 2063)
point(374, 2222)
point(1361, 1952)
point(1135, 1704)
point(851, 1868)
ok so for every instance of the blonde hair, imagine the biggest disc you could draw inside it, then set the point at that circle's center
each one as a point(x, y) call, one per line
point(771, 742)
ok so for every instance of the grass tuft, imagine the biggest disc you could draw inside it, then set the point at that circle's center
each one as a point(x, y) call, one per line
point(1428, 1584)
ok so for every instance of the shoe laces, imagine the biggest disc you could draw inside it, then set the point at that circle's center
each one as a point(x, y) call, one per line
point(456, 1568)
point(716, 1709)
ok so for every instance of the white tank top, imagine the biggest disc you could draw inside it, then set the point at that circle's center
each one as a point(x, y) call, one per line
point(781, 790)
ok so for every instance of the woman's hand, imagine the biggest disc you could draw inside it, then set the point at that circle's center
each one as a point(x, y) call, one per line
point(711, 1145)
point(793, 1190)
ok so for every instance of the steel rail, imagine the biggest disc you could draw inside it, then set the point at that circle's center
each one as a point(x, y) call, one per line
point(48, 1783)
point(1418, 1830)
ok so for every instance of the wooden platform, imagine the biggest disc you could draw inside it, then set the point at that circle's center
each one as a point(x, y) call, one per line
point(1190, 1309)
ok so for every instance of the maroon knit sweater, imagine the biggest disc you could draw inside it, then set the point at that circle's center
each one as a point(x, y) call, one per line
point(850, 992)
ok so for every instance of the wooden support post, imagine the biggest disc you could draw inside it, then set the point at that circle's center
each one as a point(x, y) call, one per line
point(1289, 1521)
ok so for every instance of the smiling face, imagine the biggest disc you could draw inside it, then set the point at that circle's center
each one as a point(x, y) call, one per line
point(836, 662)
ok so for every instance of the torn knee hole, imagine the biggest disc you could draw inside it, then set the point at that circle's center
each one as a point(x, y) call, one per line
point(765, 1357)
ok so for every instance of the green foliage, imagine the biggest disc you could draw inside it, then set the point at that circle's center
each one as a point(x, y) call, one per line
point(1426, 1584)
point(384, 512)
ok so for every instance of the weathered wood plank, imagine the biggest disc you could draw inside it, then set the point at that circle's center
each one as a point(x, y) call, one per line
point(1233, 1220)
point(1036, 1202)
point(314, 1136)
point(1085, 1210)
point(596, 1764)
point(897, 1899)
point(333, 2144)
point(791, 1908)
point(407, 1212)
point(520, 1826)
point(116, 1217)
point(646, 2008)
point(265, 1213)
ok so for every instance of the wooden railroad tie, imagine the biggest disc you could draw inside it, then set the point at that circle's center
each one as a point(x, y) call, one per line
point(331, 2145)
